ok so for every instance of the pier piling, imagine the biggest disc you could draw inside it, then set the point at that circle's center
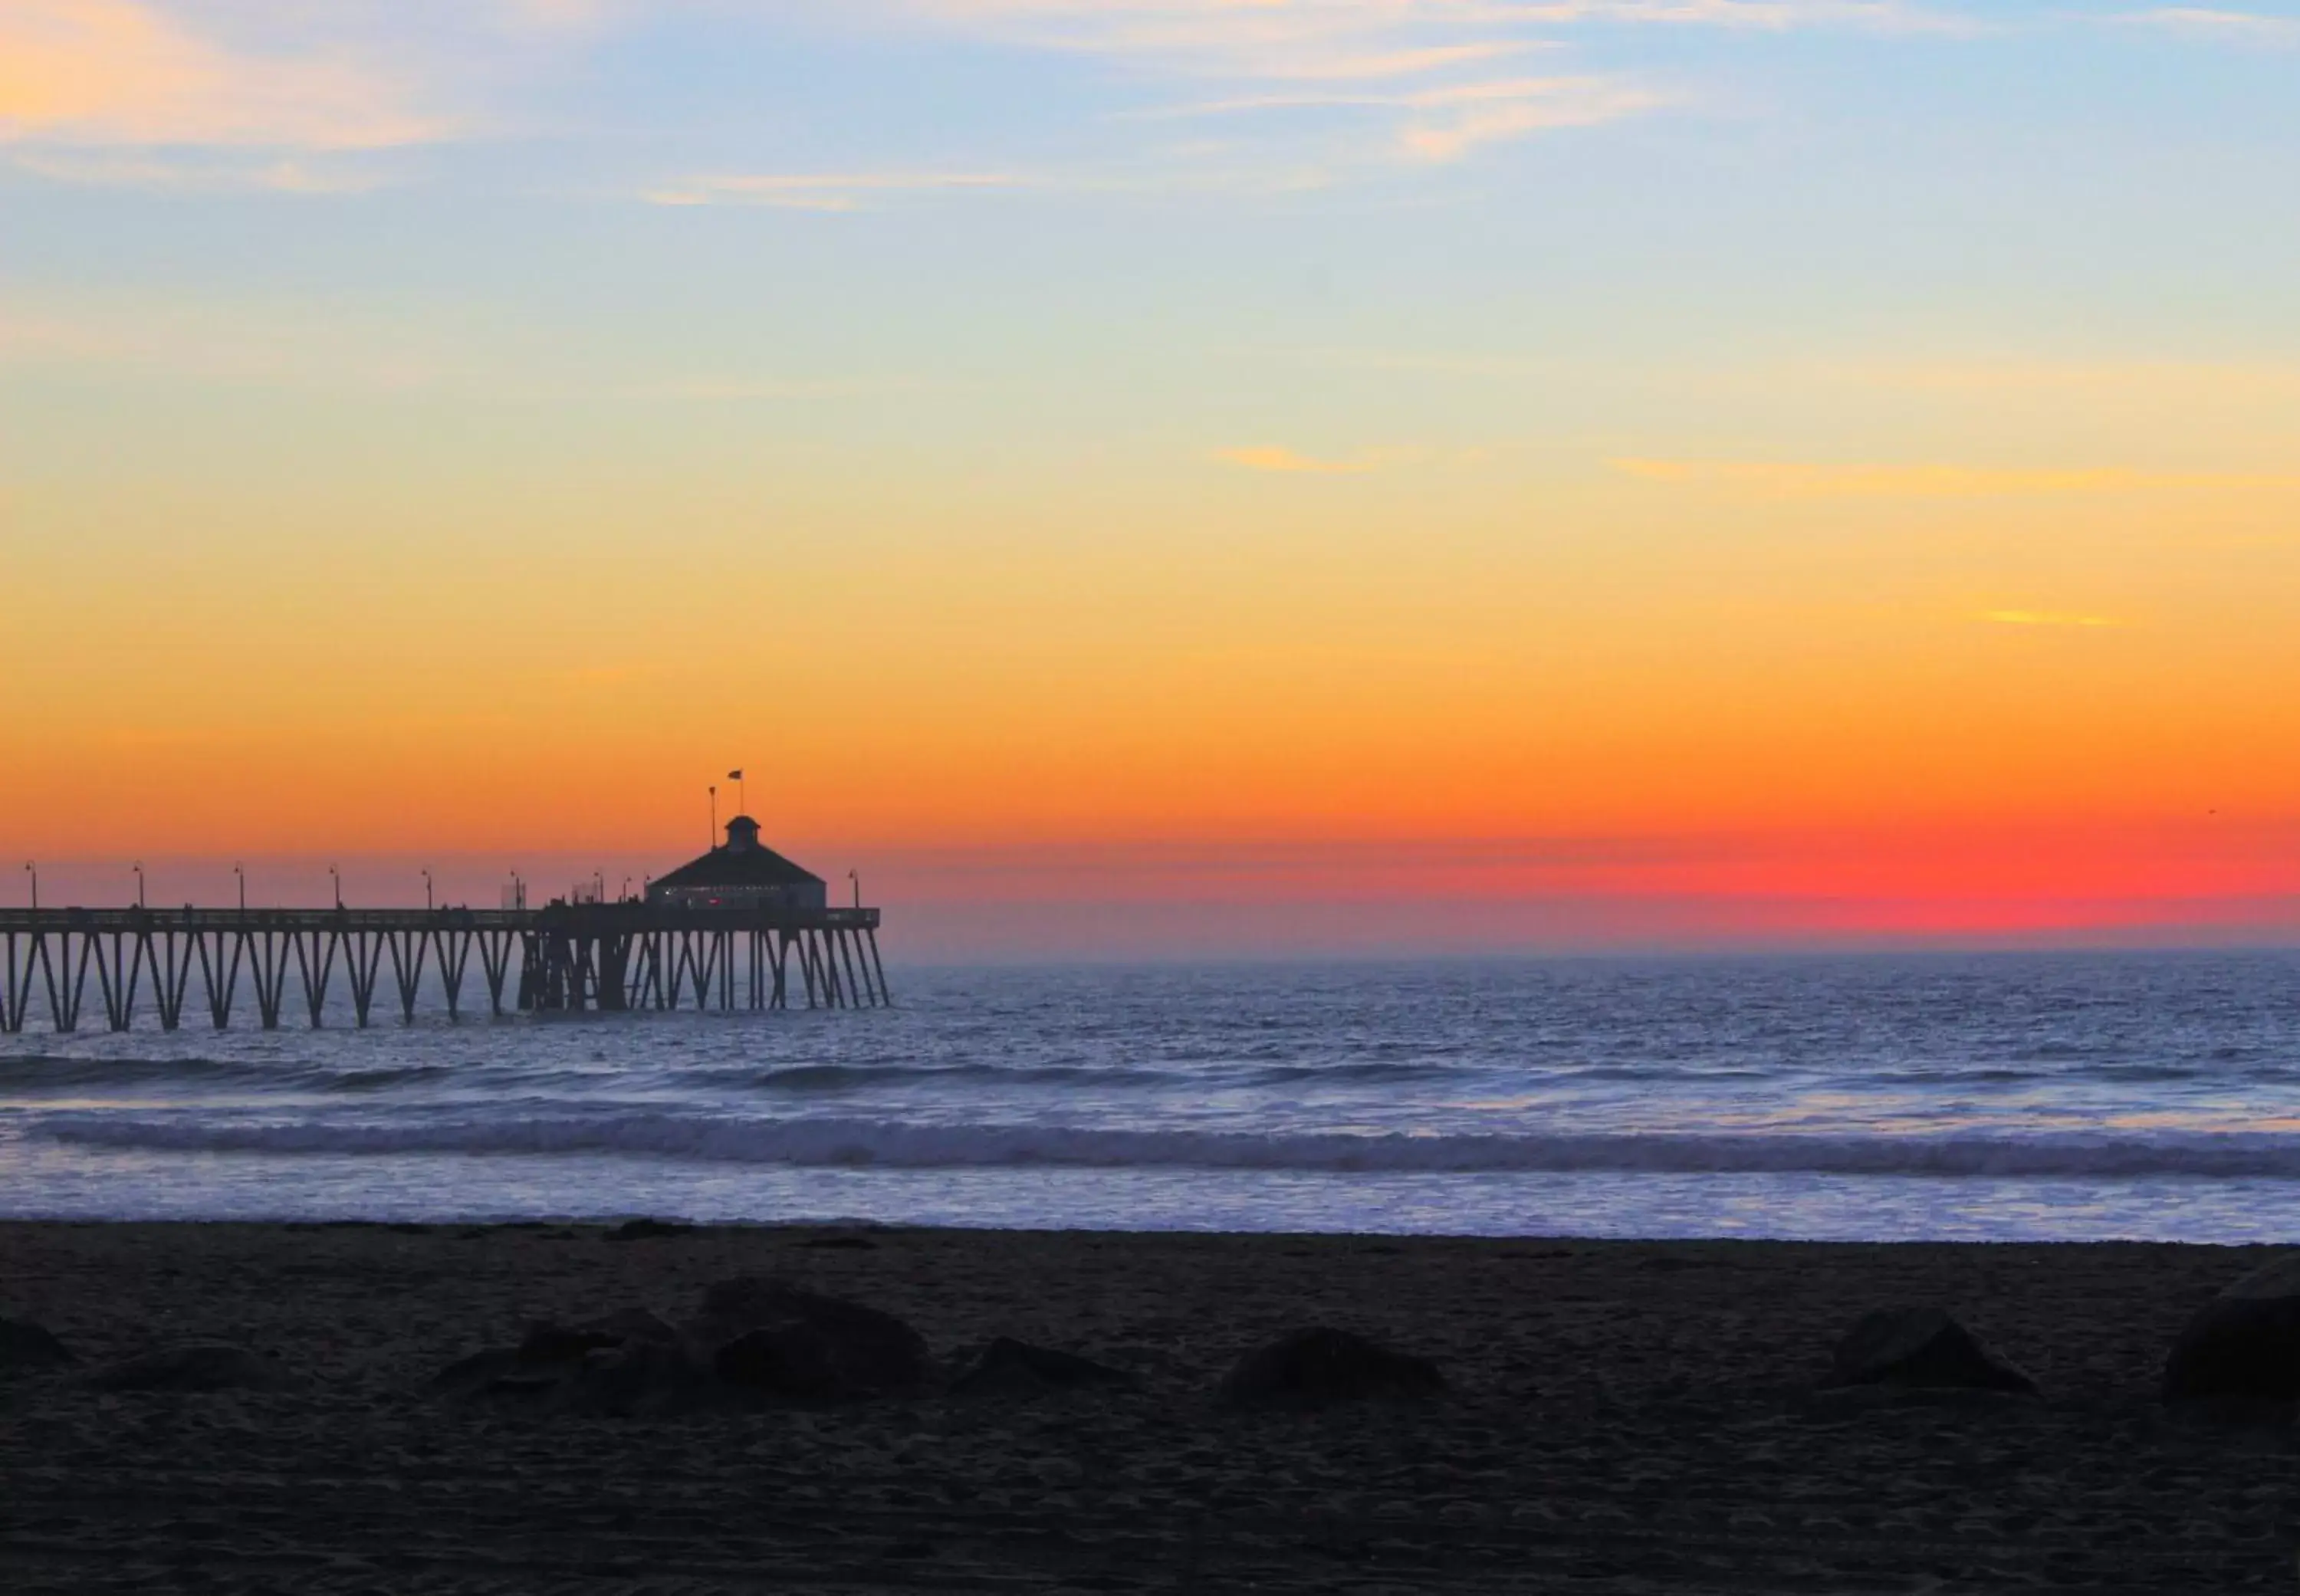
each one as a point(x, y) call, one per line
point(604, 958)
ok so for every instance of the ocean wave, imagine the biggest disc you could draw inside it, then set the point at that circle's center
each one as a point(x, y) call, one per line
point(858, 1077)
point(52, 1072)
point(1370, 1071)
point(819, 1077)
point(44, 1073)
point(867, 1143)
point(384, 1079)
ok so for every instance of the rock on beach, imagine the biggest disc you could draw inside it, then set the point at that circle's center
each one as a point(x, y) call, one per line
point(24, 1346)
point(2244, 1342)
point(1923, 1348)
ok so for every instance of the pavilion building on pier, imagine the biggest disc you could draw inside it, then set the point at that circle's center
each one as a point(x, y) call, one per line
point(741, 873)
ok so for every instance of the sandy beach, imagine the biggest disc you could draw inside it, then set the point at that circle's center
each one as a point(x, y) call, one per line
point(1620, 1417)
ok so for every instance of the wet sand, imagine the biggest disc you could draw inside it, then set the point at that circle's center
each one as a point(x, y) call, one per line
point(1623, 1417)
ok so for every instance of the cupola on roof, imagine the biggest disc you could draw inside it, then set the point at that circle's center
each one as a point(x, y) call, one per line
point(741, 861)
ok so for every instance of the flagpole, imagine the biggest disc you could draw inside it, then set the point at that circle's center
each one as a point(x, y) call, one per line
point(715, 817)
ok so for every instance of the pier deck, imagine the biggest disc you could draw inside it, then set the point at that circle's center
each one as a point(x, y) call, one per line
point(559, 957)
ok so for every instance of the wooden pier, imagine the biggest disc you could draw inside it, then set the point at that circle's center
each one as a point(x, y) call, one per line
point(568, 958)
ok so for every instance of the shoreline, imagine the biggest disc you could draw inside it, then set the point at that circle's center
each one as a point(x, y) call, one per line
point(598, 1224)
point(1621, 1416)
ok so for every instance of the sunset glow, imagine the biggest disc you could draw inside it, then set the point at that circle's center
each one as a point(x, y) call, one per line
point(1586, 477)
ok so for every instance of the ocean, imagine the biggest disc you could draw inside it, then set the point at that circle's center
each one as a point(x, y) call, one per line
point(2002, 1096)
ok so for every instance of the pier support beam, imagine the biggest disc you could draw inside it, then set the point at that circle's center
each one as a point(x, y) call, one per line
point(607, 957)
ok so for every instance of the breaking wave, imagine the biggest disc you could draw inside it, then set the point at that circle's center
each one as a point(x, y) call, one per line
point(857, 1078)
point(868, 1143)
point(57, 1072)
point(43, 1074)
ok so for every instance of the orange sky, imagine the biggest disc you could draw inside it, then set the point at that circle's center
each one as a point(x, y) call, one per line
point(1952, 716)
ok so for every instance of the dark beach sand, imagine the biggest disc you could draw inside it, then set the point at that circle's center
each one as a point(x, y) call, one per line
point(1626, 1417)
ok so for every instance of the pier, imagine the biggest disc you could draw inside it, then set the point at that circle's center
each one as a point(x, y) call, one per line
point(570, 958)
point(740, 927)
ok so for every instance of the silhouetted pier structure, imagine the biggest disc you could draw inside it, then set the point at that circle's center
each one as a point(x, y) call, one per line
point(606, 958)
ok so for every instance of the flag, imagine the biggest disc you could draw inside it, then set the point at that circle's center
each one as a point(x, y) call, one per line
point(734, 775)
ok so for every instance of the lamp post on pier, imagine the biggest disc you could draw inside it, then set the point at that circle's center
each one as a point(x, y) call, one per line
point(336, 875)
point(30, 870)
point(857, 880)
point(426, 892)
point(242, 874)
point(138, 868)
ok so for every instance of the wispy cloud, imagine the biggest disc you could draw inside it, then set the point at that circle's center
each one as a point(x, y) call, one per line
point(1781, 479)
point(2049, 618)
point(1212, 169)
point(169, 77)
point(1323, 99)
point(1427, 125)
point(124, 72)
point(2221, 26)
point(1433, 69)
point(1447, 122)
point(1289, 37)
point(1399, 63)
point(202, 171)
point(823, 191)
point(1491, 117)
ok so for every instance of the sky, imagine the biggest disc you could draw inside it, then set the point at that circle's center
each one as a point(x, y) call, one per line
point(1157, 477)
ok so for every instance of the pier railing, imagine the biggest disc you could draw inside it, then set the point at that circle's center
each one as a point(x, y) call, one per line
point(559, 957)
